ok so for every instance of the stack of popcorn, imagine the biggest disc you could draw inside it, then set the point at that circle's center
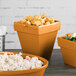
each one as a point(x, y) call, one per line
point(37, 20)
point(17, 62)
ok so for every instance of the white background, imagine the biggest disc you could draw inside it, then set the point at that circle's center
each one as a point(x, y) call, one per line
point(14, 10)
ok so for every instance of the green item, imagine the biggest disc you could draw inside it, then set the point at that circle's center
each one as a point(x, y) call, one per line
point(67, 37)
point(71, 39)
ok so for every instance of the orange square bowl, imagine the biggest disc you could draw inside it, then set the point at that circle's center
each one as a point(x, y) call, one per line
point(33, 72)
point(37, 40)
point(68, 49)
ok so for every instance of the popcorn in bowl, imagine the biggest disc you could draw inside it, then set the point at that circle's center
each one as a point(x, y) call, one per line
point(37, 20)
point(17, 62)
